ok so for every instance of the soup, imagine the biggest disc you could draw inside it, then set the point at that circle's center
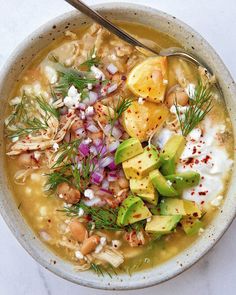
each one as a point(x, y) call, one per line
point(117, 159)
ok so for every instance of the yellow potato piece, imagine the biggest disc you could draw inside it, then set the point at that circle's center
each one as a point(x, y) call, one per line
point(141, 120)
point(149, 78)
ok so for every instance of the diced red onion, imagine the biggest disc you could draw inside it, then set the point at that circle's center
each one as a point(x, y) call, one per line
point(84, 149)
point(89, 111)
point(113, 146)
point(107, 129)
point(105, 162)
point(80, 132)
point(105, 184)
point(93, 150)
point(82, 106)
point(112, 69)
point(97, 177)
point(112, 176)
point(112, 88)
point(112, 166)
point(97, 142)
point(116, 132)
point(92, 128)
point(82, 115)
point(93, 96)
point(101, 149)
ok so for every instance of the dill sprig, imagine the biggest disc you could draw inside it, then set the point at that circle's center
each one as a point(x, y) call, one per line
point(92, 59)
point(102, 270)
point(25, 118)
point(67, 151)
point(199, 106)
point(101, 217)
point(122, 105)
point(71, 77)
point(57, 177)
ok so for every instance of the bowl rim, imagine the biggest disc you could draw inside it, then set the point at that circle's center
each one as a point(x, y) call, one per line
point(6, 68)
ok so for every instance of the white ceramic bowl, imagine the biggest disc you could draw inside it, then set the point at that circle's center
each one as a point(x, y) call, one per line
point(17, 62)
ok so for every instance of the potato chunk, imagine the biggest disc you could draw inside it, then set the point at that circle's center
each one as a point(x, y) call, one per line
point(149, 79)
point(141, 120)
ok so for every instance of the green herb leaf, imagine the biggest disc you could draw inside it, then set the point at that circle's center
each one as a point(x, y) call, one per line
point(92, 59)
point(199, 106)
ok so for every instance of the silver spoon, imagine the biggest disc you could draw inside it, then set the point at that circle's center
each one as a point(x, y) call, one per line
point(128, 38)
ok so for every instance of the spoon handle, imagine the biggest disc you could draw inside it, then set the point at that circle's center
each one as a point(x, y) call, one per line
point(98, 18)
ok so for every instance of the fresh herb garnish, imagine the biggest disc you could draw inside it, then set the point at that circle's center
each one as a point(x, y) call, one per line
point(122, 105)
point(92, 59)
point(101, 218)
point(199, 106)
point(21, 124)
point(101, 270)
point(57, 177)
point(73, 77)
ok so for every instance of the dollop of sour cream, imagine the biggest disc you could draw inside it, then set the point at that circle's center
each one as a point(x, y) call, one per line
point(205, 154)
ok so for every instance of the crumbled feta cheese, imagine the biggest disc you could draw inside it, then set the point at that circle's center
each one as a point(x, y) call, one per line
point(98, 248)
point(88, 193)
point(103, 241)
point(94, 55)
point(165, 82)
point(89, 111)
point(87, 140)
point(51, 74)
point(217, 201)
point(80, 212)
point(98, 73)
point(190, 90)
point(14, 101)
point(169, 182)
point(55, 146)
point(92, 225)
point(116, 244)
point(15, 138)
point(79, 255)
point(221, 128)
point(90, 86)
point(149, 219)
point(66, 205)
point(35, 177)
point(70, 34)
point(60, 196)
point(82, 115)
point(37, 155)
point(141, 100)
point(73, 98)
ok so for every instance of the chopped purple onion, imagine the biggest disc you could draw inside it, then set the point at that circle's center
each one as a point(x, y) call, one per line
point(92, 128)
point(112, 69)
point(96, 177)
point(112, 88)
point(107, 129)
point(116, 132)
point(103, 192)
point(93, 150)
point(84, 149)
point(112, 166)
point(105, 184)
point(105, 162)
point(112, 176)
point(80, 132)
point(97, 142)
point(93, 96)
point(82, 106)
point(113, 146)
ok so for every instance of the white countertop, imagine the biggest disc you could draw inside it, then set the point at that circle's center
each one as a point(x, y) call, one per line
point(215, 274)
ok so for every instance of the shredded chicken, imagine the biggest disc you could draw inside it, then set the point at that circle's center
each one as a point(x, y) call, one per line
point(110, 255)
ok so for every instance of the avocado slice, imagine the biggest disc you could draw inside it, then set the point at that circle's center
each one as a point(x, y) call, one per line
point(191, 225)
point(163, 186)
point(184, 180)
point(162, 224)
point(144, 189)
point(128, 149)
point(192, 209)
point(139, 167)
point(132, 210)
point(171, 153)
point(171, 206)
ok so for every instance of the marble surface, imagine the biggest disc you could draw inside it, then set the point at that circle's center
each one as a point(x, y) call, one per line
point(215, 273)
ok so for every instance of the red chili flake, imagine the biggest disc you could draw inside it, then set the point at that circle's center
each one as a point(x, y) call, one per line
point(129, 111)
point(203, 193)
point(206, 159)
point(149, 156)
point(189, 161)
point(69, 115)
point(202, 177)
point(200, 185)
point(192, 193)
point(195, 214)
point(202, 202)
point(196, 161)
point(194, 150)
